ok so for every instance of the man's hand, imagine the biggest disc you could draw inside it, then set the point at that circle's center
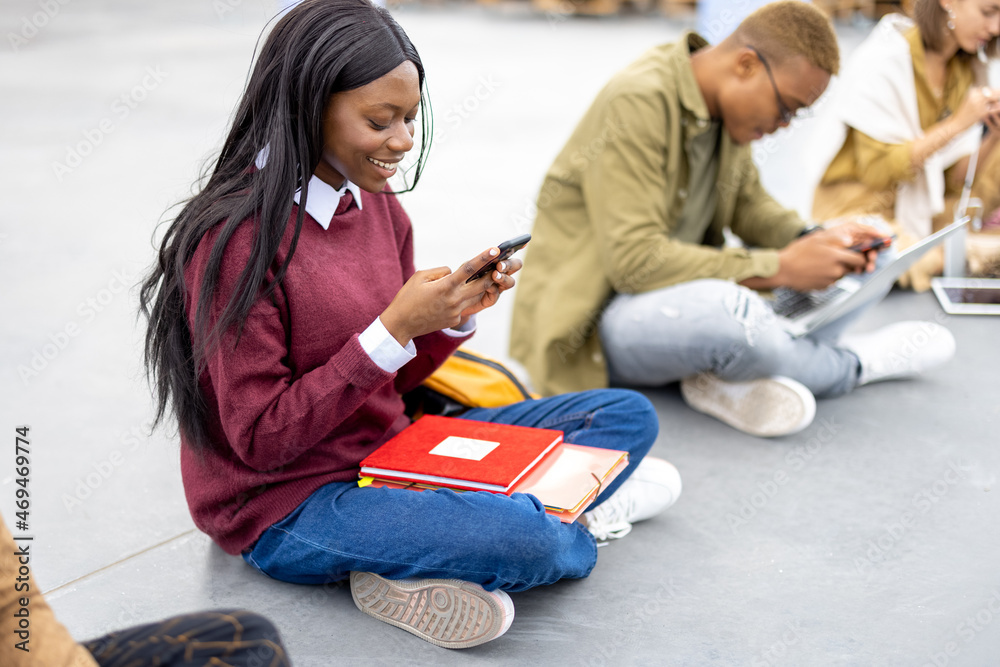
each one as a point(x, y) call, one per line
point(857, 233)
point(818, 260)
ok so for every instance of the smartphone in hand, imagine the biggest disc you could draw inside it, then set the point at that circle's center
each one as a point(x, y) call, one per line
point(507, 248)
point(876, 244)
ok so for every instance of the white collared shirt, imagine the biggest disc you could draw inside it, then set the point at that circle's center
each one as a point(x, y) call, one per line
point(376, 340)
point(324, 199)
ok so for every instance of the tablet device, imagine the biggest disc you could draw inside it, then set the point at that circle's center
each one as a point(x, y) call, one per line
point(968, 296)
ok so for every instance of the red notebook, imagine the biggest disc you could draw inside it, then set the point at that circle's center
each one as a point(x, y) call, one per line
point(567, 480)
point(461, 453)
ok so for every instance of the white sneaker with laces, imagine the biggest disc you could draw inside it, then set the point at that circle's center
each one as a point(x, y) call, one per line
point(446, 612)
point(900, 350)
point(767, 407)
point(652, 487)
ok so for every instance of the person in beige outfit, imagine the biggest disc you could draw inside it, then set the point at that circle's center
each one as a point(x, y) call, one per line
point(909, 113)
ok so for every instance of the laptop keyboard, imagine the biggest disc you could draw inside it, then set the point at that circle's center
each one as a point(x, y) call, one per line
point(791, 304)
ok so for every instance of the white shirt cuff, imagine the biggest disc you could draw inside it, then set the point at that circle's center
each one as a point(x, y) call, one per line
point(383, 349)
point(463, 330)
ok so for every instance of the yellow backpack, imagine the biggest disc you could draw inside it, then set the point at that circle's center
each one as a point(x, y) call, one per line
point(466, 380)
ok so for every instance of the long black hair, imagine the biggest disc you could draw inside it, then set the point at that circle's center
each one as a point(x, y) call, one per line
point(319, 48)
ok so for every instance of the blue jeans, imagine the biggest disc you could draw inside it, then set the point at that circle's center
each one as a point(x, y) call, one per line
point(497, 541)
point(666, 335)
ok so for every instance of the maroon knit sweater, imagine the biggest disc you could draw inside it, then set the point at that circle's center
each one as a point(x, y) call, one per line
point(297, 403)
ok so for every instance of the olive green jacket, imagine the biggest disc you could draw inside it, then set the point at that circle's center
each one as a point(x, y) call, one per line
point(609, 212)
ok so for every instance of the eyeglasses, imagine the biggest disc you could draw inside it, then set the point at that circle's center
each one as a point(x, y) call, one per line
point(786, 114)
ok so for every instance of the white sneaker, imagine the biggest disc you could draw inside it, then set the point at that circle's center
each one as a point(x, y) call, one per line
point(446, 612)
point(899, 350)
point(652, 487)
point(766, 407)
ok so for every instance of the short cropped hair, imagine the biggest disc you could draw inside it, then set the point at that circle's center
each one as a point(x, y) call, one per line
point(790, 28)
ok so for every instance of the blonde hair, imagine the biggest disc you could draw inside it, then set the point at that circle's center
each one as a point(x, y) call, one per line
point(790, 28)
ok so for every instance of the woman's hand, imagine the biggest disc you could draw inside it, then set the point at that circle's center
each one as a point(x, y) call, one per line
point(992, 121)
point(499, 280)
point(437, 299)
point(978, 106)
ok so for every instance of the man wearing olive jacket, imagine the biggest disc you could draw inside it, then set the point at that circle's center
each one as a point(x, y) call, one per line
point(626, 280)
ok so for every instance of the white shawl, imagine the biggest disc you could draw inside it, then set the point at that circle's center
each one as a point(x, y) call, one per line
point(877, 96)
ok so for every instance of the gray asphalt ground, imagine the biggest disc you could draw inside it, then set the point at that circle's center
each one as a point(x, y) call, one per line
point(868, 539)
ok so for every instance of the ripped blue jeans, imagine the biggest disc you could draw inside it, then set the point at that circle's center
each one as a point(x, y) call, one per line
point(665, 335)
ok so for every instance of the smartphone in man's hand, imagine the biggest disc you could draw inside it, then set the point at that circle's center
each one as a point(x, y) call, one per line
point(873, 244)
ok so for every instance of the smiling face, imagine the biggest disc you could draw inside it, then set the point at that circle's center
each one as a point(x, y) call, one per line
point(751, 105)
point(368, 130)
point(976, 22)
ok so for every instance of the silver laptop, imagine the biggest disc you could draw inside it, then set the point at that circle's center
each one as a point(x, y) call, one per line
point(803, 312)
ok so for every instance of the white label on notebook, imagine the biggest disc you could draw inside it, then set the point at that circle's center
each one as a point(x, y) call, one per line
point(464, 448)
